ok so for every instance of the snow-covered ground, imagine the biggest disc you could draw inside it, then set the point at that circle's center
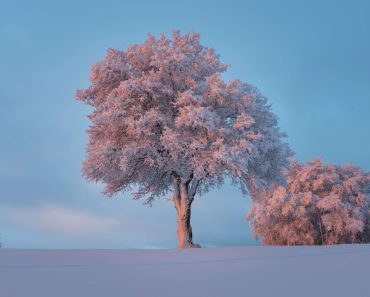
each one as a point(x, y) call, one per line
point(249, 271)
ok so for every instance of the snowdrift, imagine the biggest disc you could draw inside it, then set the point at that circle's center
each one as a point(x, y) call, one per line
point(247, 271)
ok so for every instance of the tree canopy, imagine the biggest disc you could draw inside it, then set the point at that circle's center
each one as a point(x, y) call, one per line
point(162, 109)
point(322, 204)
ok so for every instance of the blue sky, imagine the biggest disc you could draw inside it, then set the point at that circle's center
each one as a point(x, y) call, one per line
point(310, 58)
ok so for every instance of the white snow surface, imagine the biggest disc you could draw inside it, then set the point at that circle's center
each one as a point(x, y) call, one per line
point(341, 270)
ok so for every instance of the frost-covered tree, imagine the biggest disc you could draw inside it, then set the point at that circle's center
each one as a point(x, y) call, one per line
point(320, 205)
point(164, 120)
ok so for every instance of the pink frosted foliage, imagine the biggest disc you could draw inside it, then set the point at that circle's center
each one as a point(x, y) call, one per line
point(320, 205)
point(161, 110)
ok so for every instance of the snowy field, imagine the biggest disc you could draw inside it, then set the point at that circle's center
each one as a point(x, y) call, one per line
point(249, 271)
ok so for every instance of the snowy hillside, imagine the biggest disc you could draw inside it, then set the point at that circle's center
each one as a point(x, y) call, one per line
point(251, 271)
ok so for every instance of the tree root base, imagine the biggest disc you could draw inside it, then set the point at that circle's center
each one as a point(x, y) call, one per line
point(189, 245)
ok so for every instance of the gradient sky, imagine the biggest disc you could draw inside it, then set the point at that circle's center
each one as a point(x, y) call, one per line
point(310, 58)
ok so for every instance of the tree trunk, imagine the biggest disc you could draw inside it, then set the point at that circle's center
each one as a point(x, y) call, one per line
point(182, 201)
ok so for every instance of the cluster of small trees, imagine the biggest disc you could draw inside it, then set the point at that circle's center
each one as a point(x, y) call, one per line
point(319, 205)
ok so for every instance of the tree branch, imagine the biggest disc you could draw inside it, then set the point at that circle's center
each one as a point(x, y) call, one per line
point(193, 188)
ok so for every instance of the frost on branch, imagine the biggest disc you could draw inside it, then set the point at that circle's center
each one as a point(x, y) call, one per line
point(320, 205)
point(163, 116)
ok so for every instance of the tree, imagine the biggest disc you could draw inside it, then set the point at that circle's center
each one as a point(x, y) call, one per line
point(320, 205)
point(164, 120)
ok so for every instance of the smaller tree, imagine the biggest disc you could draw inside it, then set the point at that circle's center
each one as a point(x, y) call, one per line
point(320, 205)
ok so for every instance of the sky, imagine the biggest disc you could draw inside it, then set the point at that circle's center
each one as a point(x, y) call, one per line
point(311, 59)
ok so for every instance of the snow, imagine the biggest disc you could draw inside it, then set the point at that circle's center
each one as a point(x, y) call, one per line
point(341, 270)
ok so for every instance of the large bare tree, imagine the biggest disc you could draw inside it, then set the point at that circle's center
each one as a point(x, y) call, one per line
point(164, 120)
